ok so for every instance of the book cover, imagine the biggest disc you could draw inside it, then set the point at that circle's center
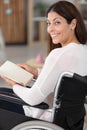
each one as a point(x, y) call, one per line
point(15, 73)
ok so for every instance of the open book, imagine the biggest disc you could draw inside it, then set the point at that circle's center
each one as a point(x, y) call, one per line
point(15, 73)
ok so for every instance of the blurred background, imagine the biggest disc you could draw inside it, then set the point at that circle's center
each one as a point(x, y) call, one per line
point(23, 35)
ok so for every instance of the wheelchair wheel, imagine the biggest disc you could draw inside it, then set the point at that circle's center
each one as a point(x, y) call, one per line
point(37, 125)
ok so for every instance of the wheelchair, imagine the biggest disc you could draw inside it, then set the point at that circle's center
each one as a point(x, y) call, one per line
point(74, 88)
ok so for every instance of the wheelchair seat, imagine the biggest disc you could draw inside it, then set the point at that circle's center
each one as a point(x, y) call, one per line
point(69, 99)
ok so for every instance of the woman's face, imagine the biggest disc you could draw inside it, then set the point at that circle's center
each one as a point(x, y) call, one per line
point(59, 30)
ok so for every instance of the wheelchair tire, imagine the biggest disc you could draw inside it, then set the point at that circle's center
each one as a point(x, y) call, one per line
point(37, 125)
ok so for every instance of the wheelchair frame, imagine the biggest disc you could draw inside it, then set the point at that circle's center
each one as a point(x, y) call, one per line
point(56, 105)
point(37, 125)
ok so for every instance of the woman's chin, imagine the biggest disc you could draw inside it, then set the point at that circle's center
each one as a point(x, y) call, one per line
point(55, 42)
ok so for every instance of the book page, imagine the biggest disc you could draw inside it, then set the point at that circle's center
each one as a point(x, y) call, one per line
point(15, 73)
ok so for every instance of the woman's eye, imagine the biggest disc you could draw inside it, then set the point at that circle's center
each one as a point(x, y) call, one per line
point(56, 22)
point(48, 23)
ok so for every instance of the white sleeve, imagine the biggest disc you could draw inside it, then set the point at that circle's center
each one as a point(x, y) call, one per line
point(32, 96)
point(37, 93)
point(55, 63)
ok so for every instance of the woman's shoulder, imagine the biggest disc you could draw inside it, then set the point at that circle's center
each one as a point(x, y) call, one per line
point(62, 49)
point(70, 48)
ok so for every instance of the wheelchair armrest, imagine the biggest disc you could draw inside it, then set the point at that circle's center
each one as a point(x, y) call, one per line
point(13, 98)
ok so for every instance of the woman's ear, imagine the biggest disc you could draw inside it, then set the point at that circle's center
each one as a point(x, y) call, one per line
point(73, 24)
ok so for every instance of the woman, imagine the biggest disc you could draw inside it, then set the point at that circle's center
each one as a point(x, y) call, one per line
point(65, 27)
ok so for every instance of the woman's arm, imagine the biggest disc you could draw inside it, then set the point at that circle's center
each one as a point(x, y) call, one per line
point(30, 69)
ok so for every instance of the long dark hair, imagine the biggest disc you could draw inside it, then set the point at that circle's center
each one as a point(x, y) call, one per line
point(69, 12)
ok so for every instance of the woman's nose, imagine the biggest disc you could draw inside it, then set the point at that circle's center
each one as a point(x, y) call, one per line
point(50, 28)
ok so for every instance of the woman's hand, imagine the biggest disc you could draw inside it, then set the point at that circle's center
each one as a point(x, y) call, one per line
point(27, 68)
point(9, 81)
point(30, 69)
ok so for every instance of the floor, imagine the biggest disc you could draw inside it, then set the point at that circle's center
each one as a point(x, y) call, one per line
point(21, 54)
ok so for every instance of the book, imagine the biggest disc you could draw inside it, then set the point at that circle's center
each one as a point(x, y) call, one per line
point(15, 73)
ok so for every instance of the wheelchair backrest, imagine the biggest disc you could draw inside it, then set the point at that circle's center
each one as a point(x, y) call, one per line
point(70, 94)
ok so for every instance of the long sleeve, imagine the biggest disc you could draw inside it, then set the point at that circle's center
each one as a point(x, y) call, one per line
point(31, 96)
point(59, 60)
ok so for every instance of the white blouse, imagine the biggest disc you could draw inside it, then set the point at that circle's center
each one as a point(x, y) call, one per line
point(72, 57)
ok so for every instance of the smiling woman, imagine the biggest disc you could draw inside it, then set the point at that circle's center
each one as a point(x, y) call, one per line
point(60, 22)
point(57, 26)
point(66, 27)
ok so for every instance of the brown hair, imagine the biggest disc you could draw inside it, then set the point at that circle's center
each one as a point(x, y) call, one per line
point(69, 12)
